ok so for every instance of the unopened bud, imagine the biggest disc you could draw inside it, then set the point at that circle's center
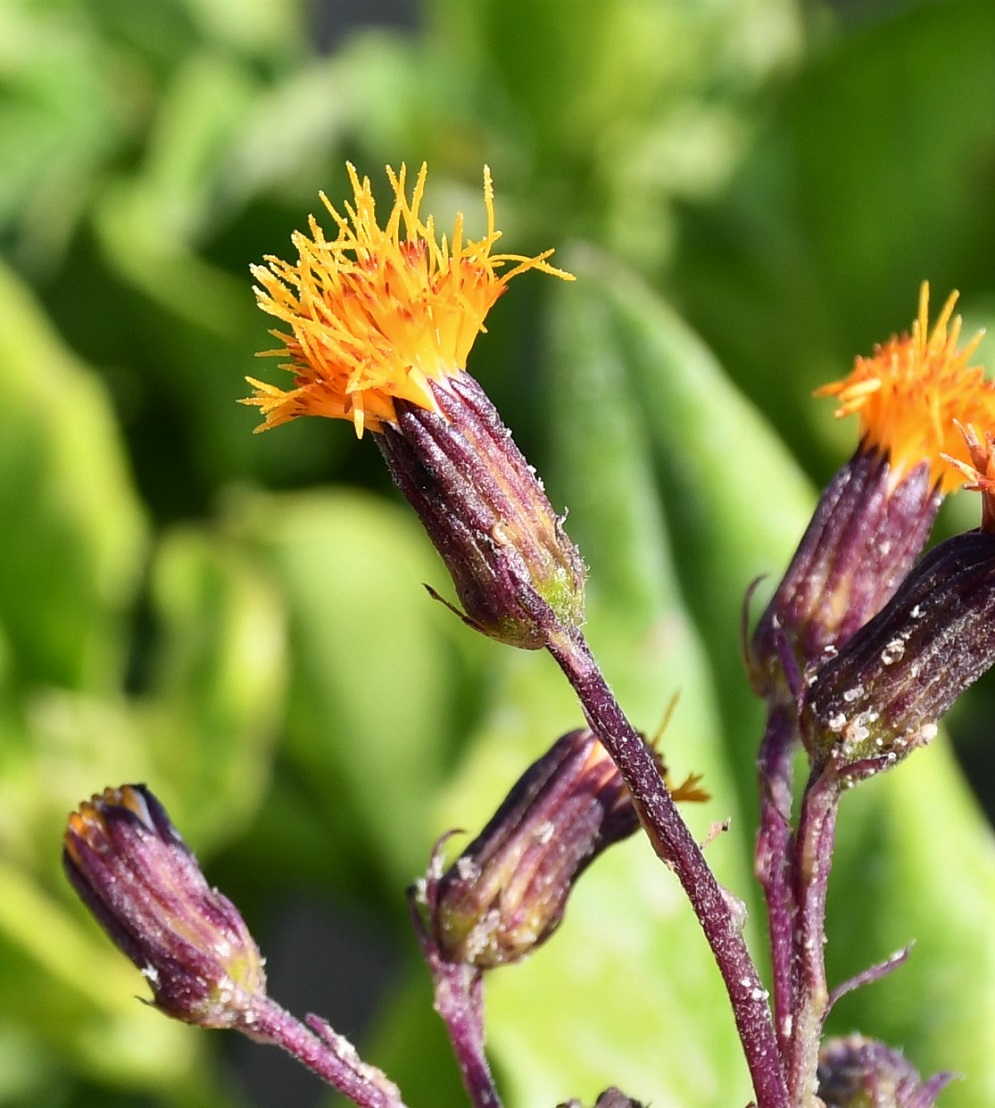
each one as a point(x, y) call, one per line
point(142, 884)
point(610, 1098)
point(885, 692)
point(865, 534)
point(506, 893)
point(855, 1072)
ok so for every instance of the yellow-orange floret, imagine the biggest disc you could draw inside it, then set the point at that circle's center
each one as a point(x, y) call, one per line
point(979, 476)
point(379, 314)
point(913, 391)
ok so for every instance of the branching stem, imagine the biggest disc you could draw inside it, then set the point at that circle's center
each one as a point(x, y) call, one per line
point(672, 840)
point(332, 1057)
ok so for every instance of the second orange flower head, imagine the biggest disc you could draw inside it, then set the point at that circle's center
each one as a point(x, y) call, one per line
point(873, 520)
point(379, 314)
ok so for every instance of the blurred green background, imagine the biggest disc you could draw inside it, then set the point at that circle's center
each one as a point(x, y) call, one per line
point(750, 192)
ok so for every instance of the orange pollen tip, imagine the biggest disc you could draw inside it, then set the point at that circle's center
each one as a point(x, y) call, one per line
point(379, 313)
point(913, 390)
point(979, 476)
point(87, 826)
point(690, 790)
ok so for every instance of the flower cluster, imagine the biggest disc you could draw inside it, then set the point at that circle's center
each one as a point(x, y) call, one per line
point(863, 647)
point(875, 643)
point(865, 644)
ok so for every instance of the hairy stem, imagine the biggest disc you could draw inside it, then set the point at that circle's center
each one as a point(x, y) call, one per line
point(332, 1057)
point(459, 997)
point(816, 837)
point(672, 840)
point(459, 1001)
point(775, 862)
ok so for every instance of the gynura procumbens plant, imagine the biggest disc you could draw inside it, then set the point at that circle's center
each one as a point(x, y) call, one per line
point(863, 647)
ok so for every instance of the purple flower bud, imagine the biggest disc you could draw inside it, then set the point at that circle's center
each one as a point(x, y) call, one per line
point(866, 533)
point(610, 1098)
point(507, 892)
point(855, 1072)
point(136, 875)
point(518, 576)
point(885, 692)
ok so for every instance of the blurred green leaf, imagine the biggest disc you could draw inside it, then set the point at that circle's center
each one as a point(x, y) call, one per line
point(75, 534)
point(609, 118)
point(217, 684)
point(733, 500)
point(61, 747)
point(916, 864)
point(198, 117)
point(283, 141)
point(371, 700)
point(370, 91)
point(61, 121)
point(872, 173)
point(869, 181)
point(263, 27)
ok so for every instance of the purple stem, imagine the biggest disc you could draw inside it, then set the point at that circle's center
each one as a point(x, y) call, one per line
point(673, 842)
point(330, 1056)
point(774, 862)
point(816, 836)
point(459, 1001)
point(459, 995)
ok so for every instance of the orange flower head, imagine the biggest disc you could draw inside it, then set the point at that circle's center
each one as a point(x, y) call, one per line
point(379, 314)
point(912, 392)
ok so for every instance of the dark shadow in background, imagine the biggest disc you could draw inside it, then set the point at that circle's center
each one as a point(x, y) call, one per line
point(332, 21)
point(336, 964)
